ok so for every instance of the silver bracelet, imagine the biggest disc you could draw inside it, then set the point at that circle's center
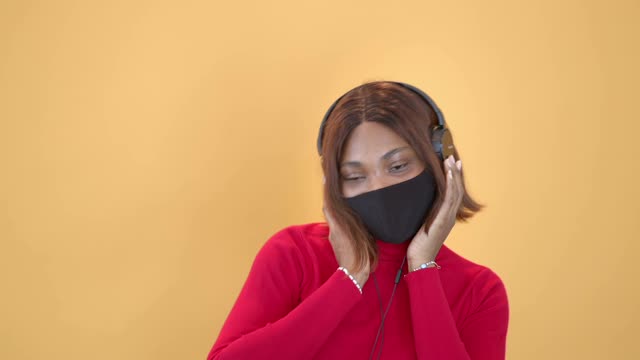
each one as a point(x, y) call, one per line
point(351, 277)
point(427, 265)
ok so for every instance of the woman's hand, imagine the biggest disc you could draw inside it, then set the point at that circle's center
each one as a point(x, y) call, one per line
point(344, 251)
point(424, 247)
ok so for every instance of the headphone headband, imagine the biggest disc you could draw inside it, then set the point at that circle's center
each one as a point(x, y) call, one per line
point(440, 129)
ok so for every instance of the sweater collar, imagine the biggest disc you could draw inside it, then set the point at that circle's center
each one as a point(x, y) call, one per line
point(395, 252)
point(390, 251)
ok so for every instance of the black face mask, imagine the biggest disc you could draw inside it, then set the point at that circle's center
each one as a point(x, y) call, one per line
point(395, 213)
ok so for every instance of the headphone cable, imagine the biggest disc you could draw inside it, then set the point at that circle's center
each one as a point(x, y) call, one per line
point(381, 327)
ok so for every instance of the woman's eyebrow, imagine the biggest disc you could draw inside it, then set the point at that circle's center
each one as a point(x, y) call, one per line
point(384, 157)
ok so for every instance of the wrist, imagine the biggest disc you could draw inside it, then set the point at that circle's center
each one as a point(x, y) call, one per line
point(358, 279)
point(415, 263)
point(361, 278)
point(423, 265)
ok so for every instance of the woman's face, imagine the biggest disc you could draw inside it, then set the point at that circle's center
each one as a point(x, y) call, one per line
point(374, 157)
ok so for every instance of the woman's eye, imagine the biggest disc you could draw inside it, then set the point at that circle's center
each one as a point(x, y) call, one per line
point(395, 168)
point(399, 167)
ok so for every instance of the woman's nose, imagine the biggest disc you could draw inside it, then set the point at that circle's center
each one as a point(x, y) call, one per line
point(377, 182)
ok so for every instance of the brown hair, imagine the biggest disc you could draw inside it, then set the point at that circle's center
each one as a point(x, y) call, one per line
point(404, 112)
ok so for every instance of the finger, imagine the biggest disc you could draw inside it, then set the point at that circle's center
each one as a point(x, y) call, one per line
point(327, 215)
point(336, 237)
point(452, 189)
point(330, 224)
point(455, 172)
point(451, 186)
point(445, 209)
point(458, 178)
point(334, 229)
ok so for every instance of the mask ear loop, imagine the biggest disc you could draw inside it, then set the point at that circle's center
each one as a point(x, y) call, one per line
point(381, 328)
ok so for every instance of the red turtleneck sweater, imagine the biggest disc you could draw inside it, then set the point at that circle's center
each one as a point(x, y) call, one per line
point(296, 304)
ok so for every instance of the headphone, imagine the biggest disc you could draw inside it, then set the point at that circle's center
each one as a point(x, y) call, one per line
point(440, 134)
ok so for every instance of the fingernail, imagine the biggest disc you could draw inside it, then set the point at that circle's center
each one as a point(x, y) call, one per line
point(459, 164)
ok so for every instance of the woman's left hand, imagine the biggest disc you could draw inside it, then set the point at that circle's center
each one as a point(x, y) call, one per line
point(424, 247)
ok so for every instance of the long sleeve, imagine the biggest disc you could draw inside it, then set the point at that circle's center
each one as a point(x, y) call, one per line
point(268, 321)
point(483, 333)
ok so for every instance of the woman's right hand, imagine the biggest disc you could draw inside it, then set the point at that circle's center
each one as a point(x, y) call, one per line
point(343, 249)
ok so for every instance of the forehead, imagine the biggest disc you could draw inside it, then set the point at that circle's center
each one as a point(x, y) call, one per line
point(369, 141)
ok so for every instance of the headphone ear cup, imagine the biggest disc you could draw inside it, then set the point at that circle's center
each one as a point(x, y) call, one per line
point(446, 143)
point(436, 141)
point(442, 142)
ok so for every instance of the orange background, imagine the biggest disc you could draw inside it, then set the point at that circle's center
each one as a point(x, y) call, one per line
point(149, 148)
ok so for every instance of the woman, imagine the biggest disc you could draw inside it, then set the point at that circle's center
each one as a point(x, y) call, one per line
point(375, 281)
